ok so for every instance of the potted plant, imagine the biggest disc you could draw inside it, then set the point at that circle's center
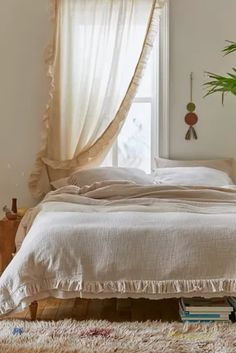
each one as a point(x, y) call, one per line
point(223, 84)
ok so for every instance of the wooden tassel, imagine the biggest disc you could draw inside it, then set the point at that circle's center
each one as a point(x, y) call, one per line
point(191, 117)
point(191, 132)
point(194, 133)
point(188, 134)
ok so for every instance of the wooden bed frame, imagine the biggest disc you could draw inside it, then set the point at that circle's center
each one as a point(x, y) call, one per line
point(33, 308)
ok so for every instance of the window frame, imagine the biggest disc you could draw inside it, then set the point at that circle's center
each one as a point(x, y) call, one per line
point(164, 82)
point(160, 101)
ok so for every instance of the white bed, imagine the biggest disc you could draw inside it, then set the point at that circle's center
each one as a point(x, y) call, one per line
point(123, 239)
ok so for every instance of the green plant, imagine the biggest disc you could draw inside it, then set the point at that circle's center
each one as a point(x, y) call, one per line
point(220, 83)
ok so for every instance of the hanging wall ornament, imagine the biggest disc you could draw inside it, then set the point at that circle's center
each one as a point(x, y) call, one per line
point(191, 117)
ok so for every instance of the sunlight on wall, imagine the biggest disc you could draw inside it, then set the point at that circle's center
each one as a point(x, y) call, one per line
point(196, 42)
point(24, 33)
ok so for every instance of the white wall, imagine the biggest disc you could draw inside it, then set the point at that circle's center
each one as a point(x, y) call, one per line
point(24, 34)
point(198, 30)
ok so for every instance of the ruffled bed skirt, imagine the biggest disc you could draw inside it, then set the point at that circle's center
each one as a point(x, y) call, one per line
point(67, 288)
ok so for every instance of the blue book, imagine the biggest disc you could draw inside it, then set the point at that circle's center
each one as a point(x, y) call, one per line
point(202, 321)
point(186, 315)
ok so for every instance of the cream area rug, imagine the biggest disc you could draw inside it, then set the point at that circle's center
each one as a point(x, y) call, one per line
point(69, 336)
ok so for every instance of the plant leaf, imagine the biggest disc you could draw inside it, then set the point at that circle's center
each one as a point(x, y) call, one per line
point(229, 48)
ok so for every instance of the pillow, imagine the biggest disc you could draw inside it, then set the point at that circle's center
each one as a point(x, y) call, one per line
point(226, 165)
point(59, 183)
point(93, 175)
point(191, 176)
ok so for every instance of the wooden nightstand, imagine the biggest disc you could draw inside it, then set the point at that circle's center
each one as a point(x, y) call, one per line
point(8, 231)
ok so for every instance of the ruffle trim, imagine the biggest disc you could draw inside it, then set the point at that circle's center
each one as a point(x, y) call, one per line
point(53, 4)
point(102, 144)
point(136, 288)
point(50, 56)
point(92, 154)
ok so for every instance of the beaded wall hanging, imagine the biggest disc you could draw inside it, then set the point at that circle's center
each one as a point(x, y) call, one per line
point(191, 117)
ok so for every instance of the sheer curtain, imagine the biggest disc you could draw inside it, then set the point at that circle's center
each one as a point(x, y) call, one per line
point(99, 53)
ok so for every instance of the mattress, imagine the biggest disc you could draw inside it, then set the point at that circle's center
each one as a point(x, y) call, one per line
point(125, 240)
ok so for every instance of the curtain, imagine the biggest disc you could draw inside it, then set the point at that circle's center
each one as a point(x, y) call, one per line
point(99, 53)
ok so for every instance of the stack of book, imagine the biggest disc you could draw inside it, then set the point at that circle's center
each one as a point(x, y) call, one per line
point(201, 309)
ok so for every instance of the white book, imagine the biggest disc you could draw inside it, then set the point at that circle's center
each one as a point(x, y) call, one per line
point(204, 312)
point(201, 304)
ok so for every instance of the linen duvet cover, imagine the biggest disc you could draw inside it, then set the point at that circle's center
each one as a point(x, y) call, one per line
point(121, 239)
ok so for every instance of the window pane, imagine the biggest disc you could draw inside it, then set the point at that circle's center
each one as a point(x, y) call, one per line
point(108, 160)
point(134, 141)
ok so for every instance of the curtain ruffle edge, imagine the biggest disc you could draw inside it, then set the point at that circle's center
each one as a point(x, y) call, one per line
point(49, 61)
point(101, 145)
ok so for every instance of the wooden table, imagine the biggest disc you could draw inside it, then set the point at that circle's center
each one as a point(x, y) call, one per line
point(8, 231)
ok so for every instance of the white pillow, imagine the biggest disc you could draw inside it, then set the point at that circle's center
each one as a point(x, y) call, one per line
point(59, 183)
point(93, 175)
point(226, 165)
point(191, 176)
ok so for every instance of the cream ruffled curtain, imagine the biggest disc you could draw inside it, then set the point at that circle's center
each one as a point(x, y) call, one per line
point(98, 57)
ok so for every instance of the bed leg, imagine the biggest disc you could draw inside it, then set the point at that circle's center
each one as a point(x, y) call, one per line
point(33, 310)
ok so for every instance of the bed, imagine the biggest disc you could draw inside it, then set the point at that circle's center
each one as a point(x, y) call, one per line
point(120, 238)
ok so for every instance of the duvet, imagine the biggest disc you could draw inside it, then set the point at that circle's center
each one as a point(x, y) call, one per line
point(120, 239)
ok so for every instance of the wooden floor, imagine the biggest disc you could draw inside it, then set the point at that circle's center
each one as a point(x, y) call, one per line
point(108, 309)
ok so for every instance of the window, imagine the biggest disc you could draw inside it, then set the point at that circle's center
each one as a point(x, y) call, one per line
point(137, 144)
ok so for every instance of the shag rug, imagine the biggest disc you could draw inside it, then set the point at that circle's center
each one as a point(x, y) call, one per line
point(69, 336)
